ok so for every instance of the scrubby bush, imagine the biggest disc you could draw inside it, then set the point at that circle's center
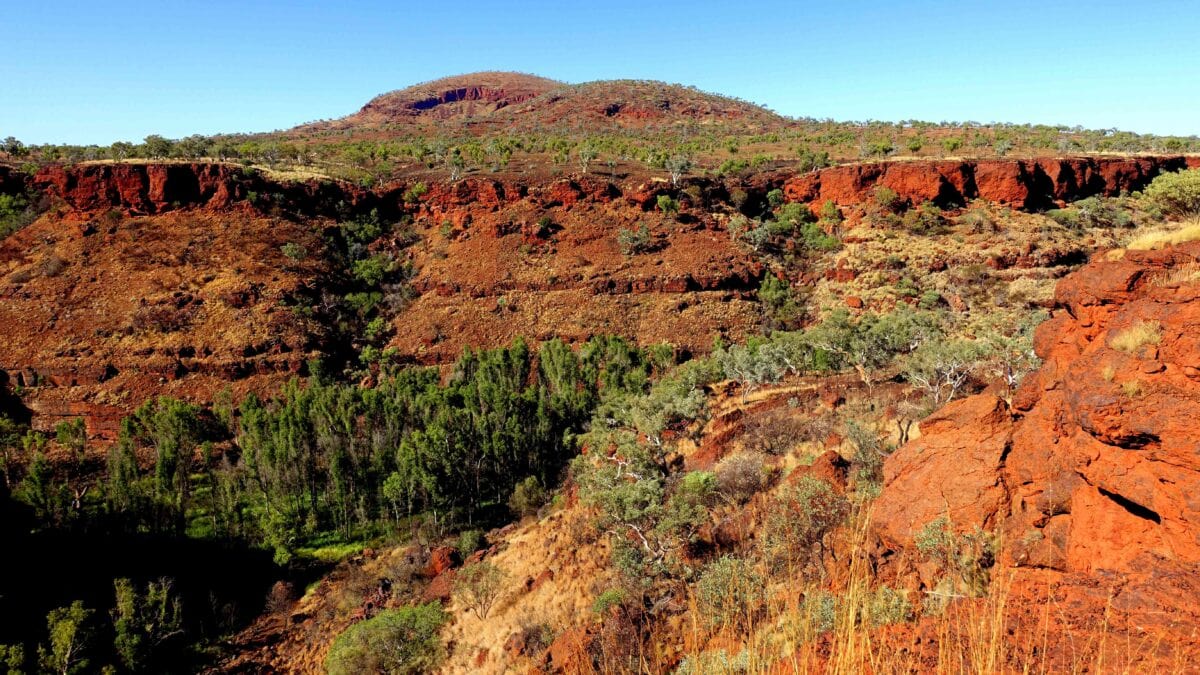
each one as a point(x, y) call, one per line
point(396, 641)
point(775, 198)
point(632, 242)
point(774, 432)
point(943, 367)
point(798, 519)
point(965, 559)
point(610, 598)
point(16, 211)
point(978, 221)
point(740, 476)
point(1092, 212)
point(782, 305)
point(1175, 193)
point(729, 592)
point(667, 205)
point(293, 251)
point(925, 219)
point(527, 497)
point(470, 541)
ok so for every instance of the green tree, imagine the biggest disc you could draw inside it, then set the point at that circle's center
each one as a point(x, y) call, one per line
point(143, 623)
point(12, 659)
point(943, 367)
point(157, 147)
point(585, 154)
point(72, 436)
point(70, 639)
point(677, 165)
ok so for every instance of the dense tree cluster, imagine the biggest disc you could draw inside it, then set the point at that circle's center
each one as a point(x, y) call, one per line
point(345, 459)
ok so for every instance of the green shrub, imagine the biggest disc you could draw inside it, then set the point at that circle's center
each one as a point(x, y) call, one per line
point(1092, 212)
point(830, 212)
point(372, 271)
point(415, 192)
point(775, 198)
point(293, 251)
point(1100, 212)
point(798, 519)
point(729, 592)
point(613, 597)
point(633, 242)
point(470, 541)
point(781, 304)
point(16, 212)
point(925, 219)
point(527, 497)
point(667, 205)
point(12, 659)
point(1175, 193)
point(395, 641)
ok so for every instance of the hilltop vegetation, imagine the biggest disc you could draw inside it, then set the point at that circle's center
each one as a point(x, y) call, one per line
point(499, 122)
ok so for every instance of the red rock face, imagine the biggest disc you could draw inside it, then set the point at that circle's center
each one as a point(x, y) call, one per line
point(1021, 183)
point(1094, 472)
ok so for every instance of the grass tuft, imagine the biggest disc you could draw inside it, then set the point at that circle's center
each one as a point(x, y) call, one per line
point(1137, 336)
point(1188, 231)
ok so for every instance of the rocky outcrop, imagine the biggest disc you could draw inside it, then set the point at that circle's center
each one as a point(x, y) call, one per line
point(156, 188)
point(1027, 184)
point(1095, 468)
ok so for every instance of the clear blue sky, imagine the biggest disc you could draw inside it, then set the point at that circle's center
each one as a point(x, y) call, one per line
point(97, 72)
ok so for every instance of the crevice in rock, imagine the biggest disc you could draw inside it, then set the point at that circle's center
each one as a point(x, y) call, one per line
point(1132, 507)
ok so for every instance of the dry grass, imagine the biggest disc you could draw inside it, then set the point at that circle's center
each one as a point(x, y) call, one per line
point(1136, 336)
point(849, 634)
point(1183, 275)
point(1186, 231)
point(1132, 388)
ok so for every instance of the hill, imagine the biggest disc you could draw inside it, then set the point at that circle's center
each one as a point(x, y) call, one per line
point(513, 102)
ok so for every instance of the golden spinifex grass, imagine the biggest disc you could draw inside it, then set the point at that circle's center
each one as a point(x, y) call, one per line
point(1188, 230)
point(839, 626)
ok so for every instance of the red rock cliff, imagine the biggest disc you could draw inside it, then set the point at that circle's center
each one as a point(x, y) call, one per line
point(1094, 472)
point(1037, 183)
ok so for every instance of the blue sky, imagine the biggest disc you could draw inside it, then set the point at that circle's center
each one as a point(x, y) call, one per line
point(97, 72)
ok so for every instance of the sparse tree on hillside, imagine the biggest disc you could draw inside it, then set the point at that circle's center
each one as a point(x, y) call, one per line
point(478, 586)
point(942, 368)
point(455, 163)
point(13, 148)
point(585, 154)
point(677, 165)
